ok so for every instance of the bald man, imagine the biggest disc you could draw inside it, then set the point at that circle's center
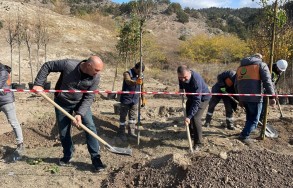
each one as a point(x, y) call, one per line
point(75, 75)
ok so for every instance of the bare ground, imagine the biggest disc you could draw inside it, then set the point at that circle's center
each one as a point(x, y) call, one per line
point(162, 158)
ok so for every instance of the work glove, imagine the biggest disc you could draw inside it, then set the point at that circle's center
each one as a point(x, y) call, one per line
point(139, 81)
point(223, 90)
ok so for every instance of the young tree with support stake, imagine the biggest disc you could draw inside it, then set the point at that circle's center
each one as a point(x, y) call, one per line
point(19, 41)
point(11, 39)
point(28, 37)
point(143, 9)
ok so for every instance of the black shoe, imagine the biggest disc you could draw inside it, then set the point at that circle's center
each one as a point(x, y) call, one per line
point(121, 133)
point(246, 141)
point(64, 161)
point(231, 127)
point(197, 147)
point(18, 152)
point(208, 125)
point(98, 165)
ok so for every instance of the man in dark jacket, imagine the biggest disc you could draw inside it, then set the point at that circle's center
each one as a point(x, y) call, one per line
point(129, 102)
point(192, 82)
point(75, 75)
point(225, 84)
point(252, 75)
point(8, 107)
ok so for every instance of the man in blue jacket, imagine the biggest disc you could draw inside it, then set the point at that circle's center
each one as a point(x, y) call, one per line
point(251, 77)
point(75, 75)
point(192, 82)
point(129, 102)
point(225, 84)
point(8, 107)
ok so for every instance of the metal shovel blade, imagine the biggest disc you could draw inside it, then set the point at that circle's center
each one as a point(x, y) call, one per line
point(271, 132)
point(122, 151)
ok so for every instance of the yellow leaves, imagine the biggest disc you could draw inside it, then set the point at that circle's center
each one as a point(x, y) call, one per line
point(220, 48)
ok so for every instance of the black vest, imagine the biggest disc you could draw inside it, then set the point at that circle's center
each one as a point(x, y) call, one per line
point(130, 98)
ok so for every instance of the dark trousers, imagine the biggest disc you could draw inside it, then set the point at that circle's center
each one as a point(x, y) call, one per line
point(64, 125)
point(228, 103)
point(130, 110)
point(195, 122)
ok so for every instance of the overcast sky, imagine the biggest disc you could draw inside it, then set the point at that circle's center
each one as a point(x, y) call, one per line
point(197, 4)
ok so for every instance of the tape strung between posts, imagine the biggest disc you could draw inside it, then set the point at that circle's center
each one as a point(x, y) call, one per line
point(145, 92)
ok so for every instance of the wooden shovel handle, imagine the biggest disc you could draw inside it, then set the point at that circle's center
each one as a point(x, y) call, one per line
point(73, 119)
point(187, 126)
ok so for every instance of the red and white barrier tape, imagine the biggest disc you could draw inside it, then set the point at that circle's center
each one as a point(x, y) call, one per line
point(136, 92)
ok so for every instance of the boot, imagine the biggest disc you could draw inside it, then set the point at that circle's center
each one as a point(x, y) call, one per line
point(131, 131)
point(121, 133)
point(18, 152)
point(230, 125)
point(208, 121)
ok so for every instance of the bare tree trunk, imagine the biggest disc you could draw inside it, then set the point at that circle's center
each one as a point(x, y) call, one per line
point(140, 76)
point(38, 49)
point(30, 62)
point(19, 75)
point(270, 66)
point(45, 52)
point(11, 63)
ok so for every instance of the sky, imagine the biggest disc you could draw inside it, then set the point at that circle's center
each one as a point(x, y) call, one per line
point(197, 4)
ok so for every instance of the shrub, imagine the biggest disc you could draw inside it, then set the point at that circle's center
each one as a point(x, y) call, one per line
point(182, 17)
point(182, 37)
point(173, 8)
point(1, 24)
point(164, 2)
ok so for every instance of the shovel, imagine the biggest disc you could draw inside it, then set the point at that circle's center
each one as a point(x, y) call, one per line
point(187, 126)
point(270, 131)
point(122, 151)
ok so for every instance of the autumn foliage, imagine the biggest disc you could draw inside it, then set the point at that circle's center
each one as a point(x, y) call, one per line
point(219, 49)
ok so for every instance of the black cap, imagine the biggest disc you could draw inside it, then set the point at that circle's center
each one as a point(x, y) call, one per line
point(137, 66)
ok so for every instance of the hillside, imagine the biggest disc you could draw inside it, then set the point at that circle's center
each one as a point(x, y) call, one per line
point(71, 37)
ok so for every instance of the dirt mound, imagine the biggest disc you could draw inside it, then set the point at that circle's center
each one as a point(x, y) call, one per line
point(44, 133)
point(166, 171)
point(247, 168)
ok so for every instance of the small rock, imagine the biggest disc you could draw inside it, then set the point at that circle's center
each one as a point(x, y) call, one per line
point(231, 183)
point(223, 155)
point(274, 171)
point(226, 179)
point(175, 126)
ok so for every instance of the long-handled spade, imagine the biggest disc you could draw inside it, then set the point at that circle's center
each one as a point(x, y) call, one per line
point(186, 125)
point(270, 131)
point(122, 151)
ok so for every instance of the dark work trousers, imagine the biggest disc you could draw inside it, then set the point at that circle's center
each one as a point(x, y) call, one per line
point(195, 123)
point(131, 111)
point(228, 103)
